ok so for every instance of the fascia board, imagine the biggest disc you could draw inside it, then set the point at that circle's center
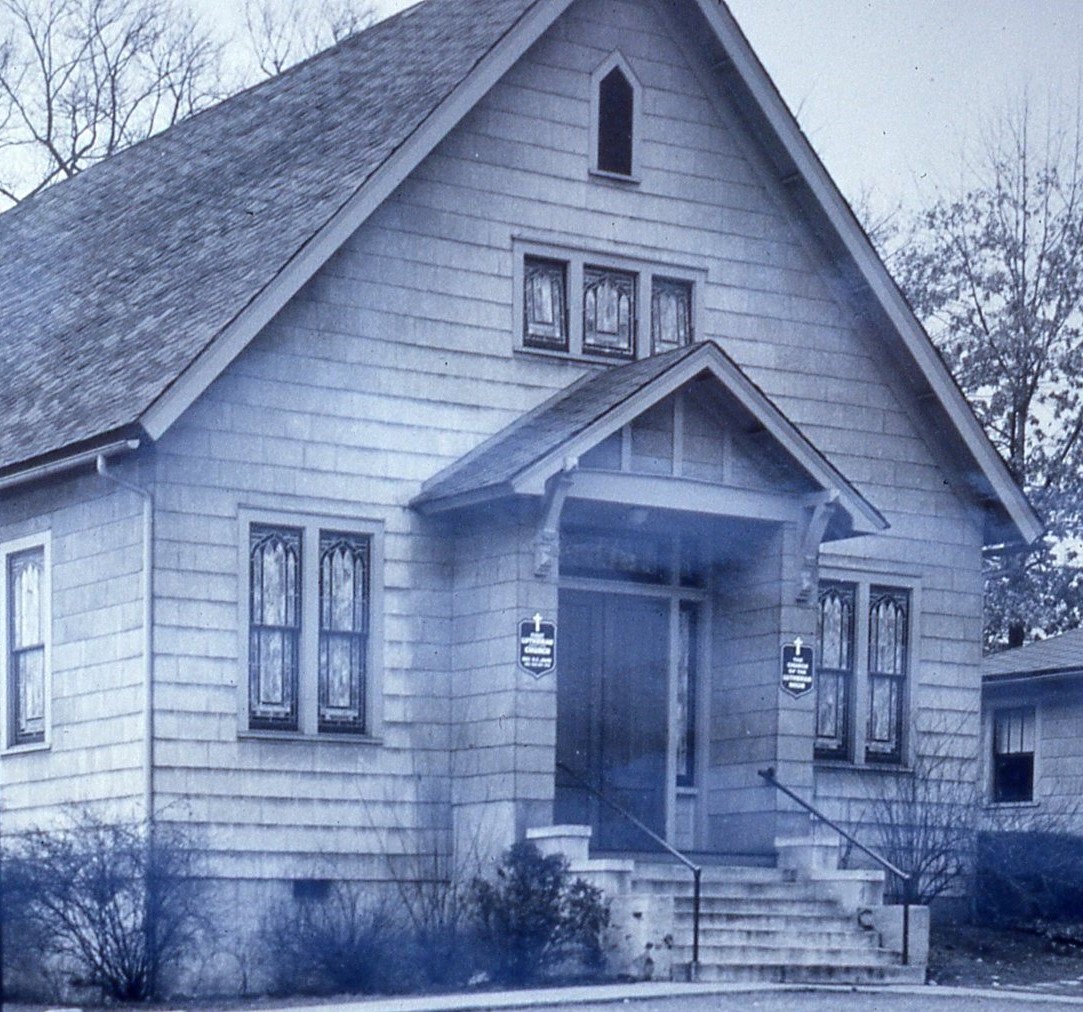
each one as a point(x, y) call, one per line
point(870, 267)
point(867, 519)
point(169, 406)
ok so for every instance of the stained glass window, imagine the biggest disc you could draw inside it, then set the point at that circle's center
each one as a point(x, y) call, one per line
point(671, 314)
point(889, 625)
point(274, 626)
point(616, 105)
point(344, 616)
point(609, 312)
point(835, 636)
point(1013, 754)
point(545, 304)
point(686, 694)
point(26, 645)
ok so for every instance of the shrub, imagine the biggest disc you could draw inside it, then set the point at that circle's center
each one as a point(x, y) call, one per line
point(1025, 876)
point(531, 917)
point(341, 941)
point(112, 902)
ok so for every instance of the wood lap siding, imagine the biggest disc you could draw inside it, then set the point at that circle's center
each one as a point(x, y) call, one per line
point(96, 731)
point(397, 358)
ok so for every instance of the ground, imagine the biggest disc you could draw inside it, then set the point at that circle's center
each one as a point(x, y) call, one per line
point(974, 956)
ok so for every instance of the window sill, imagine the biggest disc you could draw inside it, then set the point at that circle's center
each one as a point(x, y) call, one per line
point(614, 177)
point(1011, 805)
point(33, 746)
point(322, 738)
point(845, 765)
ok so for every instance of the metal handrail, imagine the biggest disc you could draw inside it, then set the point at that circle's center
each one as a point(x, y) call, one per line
point(769, 775)
point(695, 869)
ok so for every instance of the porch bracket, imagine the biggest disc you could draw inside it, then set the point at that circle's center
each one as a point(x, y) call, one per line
point(547, 538)
point(812, 537)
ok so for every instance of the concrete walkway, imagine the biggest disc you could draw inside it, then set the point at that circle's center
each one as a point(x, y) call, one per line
point(677, 997)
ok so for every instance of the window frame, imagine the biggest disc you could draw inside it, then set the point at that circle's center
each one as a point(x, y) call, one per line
point(311, 528)
point(1009, 706)
point(8, 738)
point(576, 261)
point(615, 61)
point(855, 751)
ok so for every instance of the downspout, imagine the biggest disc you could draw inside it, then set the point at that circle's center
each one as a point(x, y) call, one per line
point(148, 632)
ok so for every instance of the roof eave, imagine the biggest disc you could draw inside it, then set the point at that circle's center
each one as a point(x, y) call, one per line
point(810, 172)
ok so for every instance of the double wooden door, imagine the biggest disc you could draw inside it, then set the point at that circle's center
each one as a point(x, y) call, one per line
point(613, 713)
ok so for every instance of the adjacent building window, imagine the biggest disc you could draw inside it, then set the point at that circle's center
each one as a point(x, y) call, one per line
point(609, 307)
point(836, 670)
point(616, 107)
point(671, 314)
point(310, 619)
point(863, 634)
point(545, 304)
point(26, 645)
point(1013, 754)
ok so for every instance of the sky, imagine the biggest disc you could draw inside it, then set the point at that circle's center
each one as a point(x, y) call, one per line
point(891, 92)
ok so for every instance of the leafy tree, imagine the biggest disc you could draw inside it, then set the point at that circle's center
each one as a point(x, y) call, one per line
point(996, 273)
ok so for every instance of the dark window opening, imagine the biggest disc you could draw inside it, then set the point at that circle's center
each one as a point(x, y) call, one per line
point(615, 107)
point(1013, 755)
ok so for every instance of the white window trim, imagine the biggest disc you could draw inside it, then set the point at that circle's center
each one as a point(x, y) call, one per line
point(310, 526)
point(7, 549)
point(863, 580)
point(615, 59)
point(575, 258)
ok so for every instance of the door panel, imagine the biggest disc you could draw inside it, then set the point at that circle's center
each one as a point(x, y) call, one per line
point(612, 713)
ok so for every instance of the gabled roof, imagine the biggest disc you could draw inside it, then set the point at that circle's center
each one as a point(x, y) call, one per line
point(125, 291)
point(113, 283)
point(521, 458)
point(1057, 655)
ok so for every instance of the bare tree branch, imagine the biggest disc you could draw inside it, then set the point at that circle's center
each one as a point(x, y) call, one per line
point(82, 79)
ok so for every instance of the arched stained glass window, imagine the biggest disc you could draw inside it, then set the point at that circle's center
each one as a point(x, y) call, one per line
point(26, 647)
point(835, 635)
point(889, 633)
point(274, 626)
point(616, 117)
point(671, 314)
point(344, 618)
point(609, 312)
point(545, 303)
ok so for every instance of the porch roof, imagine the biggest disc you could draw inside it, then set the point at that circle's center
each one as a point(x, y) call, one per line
point(520, 459)
point(1057, 655)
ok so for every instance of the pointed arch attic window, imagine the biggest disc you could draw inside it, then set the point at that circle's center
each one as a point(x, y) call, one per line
point(615, 102)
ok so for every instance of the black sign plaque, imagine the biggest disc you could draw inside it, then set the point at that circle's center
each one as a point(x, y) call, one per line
point(797, 668)
point(537, 646)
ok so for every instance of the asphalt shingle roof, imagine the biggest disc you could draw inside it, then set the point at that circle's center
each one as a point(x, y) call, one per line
point(1058, 653)
point(541, 431)
point(113, 283)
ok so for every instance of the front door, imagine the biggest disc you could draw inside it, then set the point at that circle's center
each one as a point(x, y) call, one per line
point(613, 713)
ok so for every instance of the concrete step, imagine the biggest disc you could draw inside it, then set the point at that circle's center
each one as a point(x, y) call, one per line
point(823, 974)
point(788, 955)
point(744, 905)
point(710, 873)
point(803, 925)
point(738, 935)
